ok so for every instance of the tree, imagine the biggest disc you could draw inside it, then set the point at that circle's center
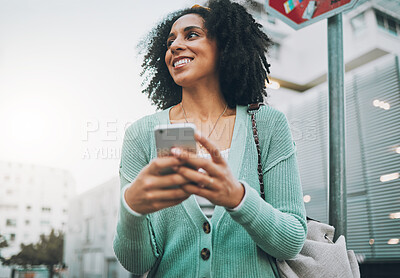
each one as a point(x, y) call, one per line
point(3, 244)
point(48, 251)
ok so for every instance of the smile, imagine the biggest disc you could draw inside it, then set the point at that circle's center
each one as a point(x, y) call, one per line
point(182, 62)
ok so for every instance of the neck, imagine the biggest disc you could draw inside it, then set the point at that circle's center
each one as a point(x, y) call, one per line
point(205, 104)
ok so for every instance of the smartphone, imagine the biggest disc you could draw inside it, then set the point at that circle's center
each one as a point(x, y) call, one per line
point(174, 135)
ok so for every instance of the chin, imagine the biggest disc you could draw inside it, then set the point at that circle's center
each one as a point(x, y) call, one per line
point(182, 81)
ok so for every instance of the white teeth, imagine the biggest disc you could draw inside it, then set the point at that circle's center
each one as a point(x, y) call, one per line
point(182, 61)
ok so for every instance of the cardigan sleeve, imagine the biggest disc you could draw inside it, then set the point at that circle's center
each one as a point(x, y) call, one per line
point(134, 243)
point(278, 224)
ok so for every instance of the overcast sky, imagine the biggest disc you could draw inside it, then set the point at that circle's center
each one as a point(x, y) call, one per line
point(69, 81)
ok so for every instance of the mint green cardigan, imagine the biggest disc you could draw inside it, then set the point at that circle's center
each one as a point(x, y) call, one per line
point(242, 243)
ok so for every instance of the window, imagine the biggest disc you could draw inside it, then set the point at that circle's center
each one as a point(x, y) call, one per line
point(28, 208)
point(380, 20)
point(8, 207)
point(392, 26)
point(387, 23)
point(12, 237)
point(46, 209)
point(11, 223)
point(89, 227)
point(44, 222)
point(27, 222)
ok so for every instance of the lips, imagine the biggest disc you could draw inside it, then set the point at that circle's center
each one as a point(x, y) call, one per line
point(181, 61)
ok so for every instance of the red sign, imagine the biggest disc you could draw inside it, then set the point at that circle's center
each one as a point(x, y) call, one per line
point(300, 13)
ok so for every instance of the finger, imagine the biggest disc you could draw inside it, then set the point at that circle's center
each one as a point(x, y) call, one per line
point(201, 180)
point(211, 148)
point(199, 191)
point(160, 163)
point(180, 153)
point(169, 180)
point(166, 204)
point(165, 195)
point(197, 162)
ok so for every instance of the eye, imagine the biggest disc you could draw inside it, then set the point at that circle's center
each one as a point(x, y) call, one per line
point(192, 35)
point(189, 36)
point(169, 43)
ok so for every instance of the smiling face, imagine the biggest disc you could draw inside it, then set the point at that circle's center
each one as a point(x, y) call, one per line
point(191, 56)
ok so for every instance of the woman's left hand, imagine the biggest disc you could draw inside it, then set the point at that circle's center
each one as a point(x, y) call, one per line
point(218, 185)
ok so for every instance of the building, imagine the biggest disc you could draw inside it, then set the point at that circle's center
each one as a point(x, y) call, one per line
point(33, 200)
point(299, 58)
point(91, 227)
point(371, 34)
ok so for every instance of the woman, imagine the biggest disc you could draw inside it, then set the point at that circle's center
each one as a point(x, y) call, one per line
point(205, 65)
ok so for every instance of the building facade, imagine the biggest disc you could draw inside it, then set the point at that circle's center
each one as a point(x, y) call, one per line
point(33, 200)
point(91, 227)
point(371, 34)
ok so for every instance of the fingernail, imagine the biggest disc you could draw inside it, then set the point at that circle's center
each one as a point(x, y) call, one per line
point(176, 151)
point(197, 133)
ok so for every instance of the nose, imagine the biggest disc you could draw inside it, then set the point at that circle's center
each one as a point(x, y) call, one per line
point(177, 45)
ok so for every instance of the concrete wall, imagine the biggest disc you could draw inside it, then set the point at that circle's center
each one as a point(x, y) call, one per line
point(91, 226)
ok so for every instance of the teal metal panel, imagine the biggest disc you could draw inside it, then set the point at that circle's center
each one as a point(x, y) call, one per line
point(373, 134)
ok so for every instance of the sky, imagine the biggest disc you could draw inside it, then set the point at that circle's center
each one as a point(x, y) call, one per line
point(70, 82)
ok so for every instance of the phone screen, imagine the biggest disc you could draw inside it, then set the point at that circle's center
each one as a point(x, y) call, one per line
point(174, 135)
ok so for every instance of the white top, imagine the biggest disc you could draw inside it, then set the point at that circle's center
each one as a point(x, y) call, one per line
point(205, 205)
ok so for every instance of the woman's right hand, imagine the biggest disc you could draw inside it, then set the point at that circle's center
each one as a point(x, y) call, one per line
point(151, 192)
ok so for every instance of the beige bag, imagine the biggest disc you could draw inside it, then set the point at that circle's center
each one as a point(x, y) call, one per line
point(320, 256)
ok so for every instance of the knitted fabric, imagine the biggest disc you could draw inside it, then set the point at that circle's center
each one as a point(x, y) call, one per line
point(242, 243)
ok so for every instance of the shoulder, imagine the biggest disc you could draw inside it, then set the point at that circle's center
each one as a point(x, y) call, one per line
point(145, 125)
point(271, 114)
point(275, 135)
point(278, 123)
point(271, 121)
point(138, 144)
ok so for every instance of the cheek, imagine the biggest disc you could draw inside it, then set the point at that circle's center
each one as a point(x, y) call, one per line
point(213, 52)
point(214, 60)
point(166, 58)
point(167, 61)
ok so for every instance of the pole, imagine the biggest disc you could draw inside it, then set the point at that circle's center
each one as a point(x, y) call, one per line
point(337, 179)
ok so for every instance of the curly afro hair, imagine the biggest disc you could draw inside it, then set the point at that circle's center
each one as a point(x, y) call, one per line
point(242, 47)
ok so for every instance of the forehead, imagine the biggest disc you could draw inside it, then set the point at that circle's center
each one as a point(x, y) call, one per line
point(188, 20)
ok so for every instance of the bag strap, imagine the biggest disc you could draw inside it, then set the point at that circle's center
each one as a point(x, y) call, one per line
point(252, 110)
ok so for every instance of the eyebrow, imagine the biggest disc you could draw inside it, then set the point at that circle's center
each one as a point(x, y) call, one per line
point(187, 29)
